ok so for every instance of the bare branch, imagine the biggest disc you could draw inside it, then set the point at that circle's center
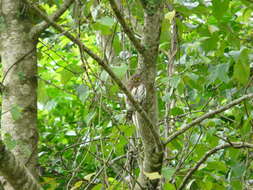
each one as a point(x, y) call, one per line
point(208, 115)
point(207, 155)
point(39, 28)
point(107, 68)
point(126, 29)
point(16, 173)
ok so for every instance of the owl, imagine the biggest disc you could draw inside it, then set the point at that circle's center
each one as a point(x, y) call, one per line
point(137, 88)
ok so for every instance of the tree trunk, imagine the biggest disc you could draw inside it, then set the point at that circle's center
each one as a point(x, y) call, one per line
point(19, 102)
point(15, 173)
point(153, 156)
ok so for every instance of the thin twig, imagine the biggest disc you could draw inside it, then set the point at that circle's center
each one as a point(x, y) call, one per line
point(17, 62)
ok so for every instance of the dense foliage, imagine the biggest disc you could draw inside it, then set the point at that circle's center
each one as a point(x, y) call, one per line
point(84, 132)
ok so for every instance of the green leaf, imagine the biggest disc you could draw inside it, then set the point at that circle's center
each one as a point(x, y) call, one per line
point(106, 21)
point(176, 111)
point(83, 92)
point(220, 7)
point(165, 31)
point(246, 15)
point(77, 185)
point(237, 170)
point(66, 76)
point(174, 81)
point(117, 46)
point(242, 72)
point(234, 154)
point(98, 187)
point(210, 43)
point(241, 55)
point(121, 70)
point(42, 93)
point(128, 130)
point(16, 112)
point(192, 80)
point(236, 184)
point(75, 69)
point(176, 144)
point(217, 186)
point(169, 186)
point(104, 25)
point(217, 165)
point(246, 128)
point(168, 172)
point(170, 15)
point(242, 66)
point(51, 182)
point(219, 72)
point(207, 185)
point(120, 144)
point(210, 138)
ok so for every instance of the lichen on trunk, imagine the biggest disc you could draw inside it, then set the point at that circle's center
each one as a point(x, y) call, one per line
point(19, 99)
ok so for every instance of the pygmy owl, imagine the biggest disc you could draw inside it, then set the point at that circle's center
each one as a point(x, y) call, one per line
point(137, 88)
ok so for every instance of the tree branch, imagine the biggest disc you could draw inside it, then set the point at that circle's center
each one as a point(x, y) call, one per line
point(207, 155)
point(126, 29)
point(207, 115)
point(39, 28)
point(107, 68)
point(16, 173)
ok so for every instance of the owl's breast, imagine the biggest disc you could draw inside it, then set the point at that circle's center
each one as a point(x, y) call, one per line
point(139, 93)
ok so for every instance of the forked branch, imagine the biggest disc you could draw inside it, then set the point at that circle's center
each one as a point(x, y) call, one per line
point(107, 68)
point(39, 28)
point(126, 29)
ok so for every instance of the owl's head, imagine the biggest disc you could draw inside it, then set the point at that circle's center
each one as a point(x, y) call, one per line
point(135, 80)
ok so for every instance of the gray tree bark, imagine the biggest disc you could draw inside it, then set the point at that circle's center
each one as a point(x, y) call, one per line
point(153, 153)
point(19, 99)
point(18, 176)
